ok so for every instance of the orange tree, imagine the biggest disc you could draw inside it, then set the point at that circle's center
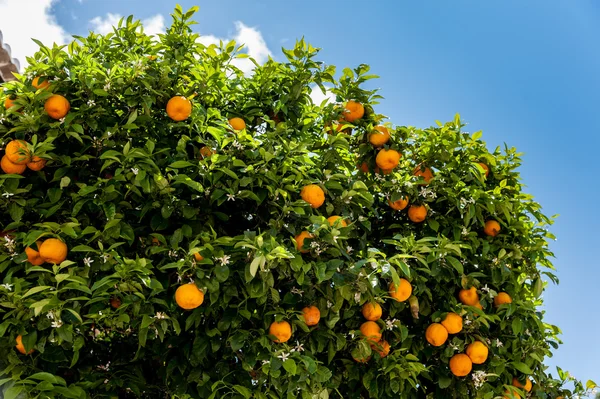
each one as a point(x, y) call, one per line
point(174, 228)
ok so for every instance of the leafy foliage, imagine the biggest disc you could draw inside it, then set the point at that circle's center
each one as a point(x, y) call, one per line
point(134, 199)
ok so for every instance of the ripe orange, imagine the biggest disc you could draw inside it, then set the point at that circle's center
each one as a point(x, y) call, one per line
point(469, 297)
point(8, 102)
point(353, 111)
point(282, 330)
point(371, 331)
point(300, 241)
point(363, 167)
point(10, 168)
point(403, 292)
point(36, 163)
point(17, 152)
point(453, 323)
point(237, 123)
point(372, 311)
point(198, 257)
point(20, 347)
point(313, 194)
point(477, 352)
point(53, 250)
point(387, 159)
point(382, 347)
point(417, 213)
point(40, 85)
point(338, 127)
point(312, 315)
point(492, 228)
point(486, 169)
point(57, 106)
point(527, 387)
point(189, 296)
point(424, 172)
point(383, 171)
point(460, 365)
point(436, 334)
point(333, 219)
point(33, 256)
point(478, 306)
point(179, 108)
point(379, 136)
point(399, 204)
point(206, 152)
point(115, 302)
point(501, 299)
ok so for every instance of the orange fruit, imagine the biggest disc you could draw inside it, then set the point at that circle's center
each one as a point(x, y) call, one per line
point(311, 315)
point(40, 85)
point(33, 256)
point(492, 228)
point(36, 163)
point(372, 311)
point(403, 292)
point(282, 330)
point(198, 257)
point(453, 323)
point(179, 108)
point(353, 111)
point(382, 347)
point(20, 347)
point(399, 204)
point(387, 159)
point(53, 250)
point(115, 302)
point(206, 152)
point(469, 297)
point(478, 306)
point(424, 172)
point(338, 127)
point(237, 123)
point(485, 168)
point(527, 387)
point(501, 299)
point(333, 219)
point(8, 102)
point(363, 167)
point(371, 331)
point(313, 194)
point(300, 241)
point(365, 360)
point(417, 213)
point(477, 352)
point(189, 296)
point(436, 334)
point(17, 152)
point(379, 136)
point(460, 365)
point(11, 168)
point(57, 106)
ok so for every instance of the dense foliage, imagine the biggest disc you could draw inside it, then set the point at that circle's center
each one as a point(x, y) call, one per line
point(146, 205)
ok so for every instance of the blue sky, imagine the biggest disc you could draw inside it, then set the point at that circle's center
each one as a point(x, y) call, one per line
point(524, 72)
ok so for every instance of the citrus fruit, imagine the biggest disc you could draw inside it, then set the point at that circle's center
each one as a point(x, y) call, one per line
point(179, 108)
point(403, 292)
point(282, 330)
point(189, 296)
point(53, 250)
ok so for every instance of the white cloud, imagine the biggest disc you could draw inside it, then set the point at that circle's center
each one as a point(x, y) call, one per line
point(317, 95)
point(152, 25)
point(21, 20)
point(253, 41)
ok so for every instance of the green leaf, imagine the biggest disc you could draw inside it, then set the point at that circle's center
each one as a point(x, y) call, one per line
point(290, 366)
point(455, 264)
point(522, 367)
point(35, 290)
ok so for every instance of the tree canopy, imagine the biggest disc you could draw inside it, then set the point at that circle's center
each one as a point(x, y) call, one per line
point(175, 228)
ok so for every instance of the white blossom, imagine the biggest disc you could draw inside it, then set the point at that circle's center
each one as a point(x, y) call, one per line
point(284, 356)
point(230, 197)
point(105, 257)
point(391, 324)
point(88, 261)
point(485, 289)
point(135, 171)
point(160, 316)
point(56, 323)
point(7, 194)
point(498, 343)
point(7, 286)
point(224, 259)
point(297, 291)
point(349, 249)
point(357, 297)
point(329, 304)
point(479, 378)
point(91, 103)
point(298, 348)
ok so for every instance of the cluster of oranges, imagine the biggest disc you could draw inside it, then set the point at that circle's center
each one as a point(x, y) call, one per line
point(51, 250)
point(18, 157)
